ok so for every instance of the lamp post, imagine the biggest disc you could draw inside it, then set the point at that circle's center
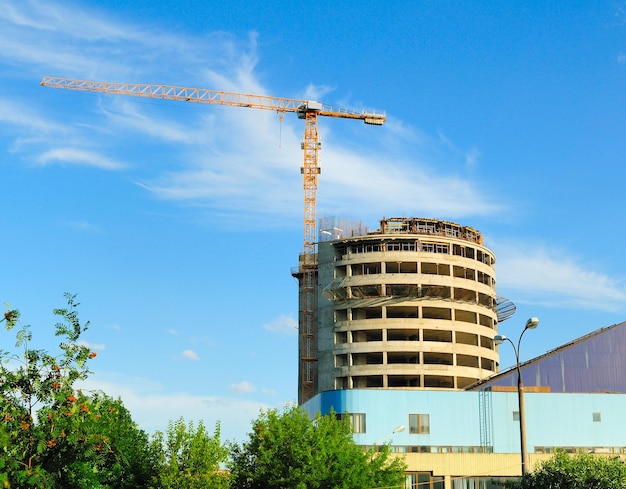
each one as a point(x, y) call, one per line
point(532, 323)
point(397, 429)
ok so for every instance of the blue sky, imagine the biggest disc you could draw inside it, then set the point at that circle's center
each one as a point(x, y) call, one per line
point(178, 224)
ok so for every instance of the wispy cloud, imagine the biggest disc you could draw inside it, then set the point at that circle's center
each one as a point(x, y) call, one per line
point(545, 276)
point(153, 406)
point(21, 115)
point(125, 116)
point(84, 226)
point(224, 159)
point(470, 156)
point(92, 346)
point(350, 178)
point(317, 92)
point(77, 39)
point(283, 324)
point(73, 156)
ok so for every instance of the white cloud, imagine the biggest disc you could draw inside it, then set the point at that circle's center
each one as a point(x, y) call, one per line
point(84, 226)
point(70, 40)
point(472, 156)
point(92, 346)
point(190, 355)
point(231, 159)
point(79, 157)
point(383, 186)
point(152, 406)
point(555, 279)
point(224, 178)
point(126, 115)
point(317, 92)
point(243, 387)
point(283, 324)
point(22, 115)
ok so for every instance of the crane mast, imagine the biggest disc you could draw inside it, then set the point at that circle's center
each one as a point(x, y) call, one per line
point(307, 110)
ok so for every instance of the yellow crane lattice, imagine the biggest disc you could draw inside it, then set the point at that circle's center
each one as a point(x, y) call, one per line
point(309, 111)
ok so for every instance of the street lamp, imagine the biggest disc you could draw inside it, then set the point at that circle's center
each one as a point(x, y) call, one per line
point(532, 323)
point(397, 429)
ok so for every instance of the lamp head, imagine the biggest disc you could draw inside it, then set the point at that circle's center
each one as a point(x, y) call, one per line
point(499, 339)
point(399, 429)
point(532, 323)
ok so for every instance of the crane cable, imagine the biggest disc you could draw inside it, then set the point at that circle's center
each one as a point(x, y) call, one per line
point(281, 116)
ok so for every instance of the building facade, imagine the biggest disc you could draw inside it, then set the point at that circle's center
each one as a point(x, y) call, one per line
point(470, 439)
point(406, 317)
point(410, 305)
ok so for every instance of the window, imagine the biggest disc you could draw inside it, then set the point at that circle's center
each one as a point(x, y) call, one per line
point(515, 415)
point(465, 316)
point(401, 246)
point(428, 247)
point(441, 248)
point(485, 321)
point(466, 338)
point(436, 248)
point(458, 250)
point(341, 337)
point(436, 313)
point(340, 271)
point(487, 363)
point(419, 424)
point(365, 247)
point(357, 420)
point(423, 480)
point(479, 482)
point(341, 360)
point(597, 417)
point(340, 251)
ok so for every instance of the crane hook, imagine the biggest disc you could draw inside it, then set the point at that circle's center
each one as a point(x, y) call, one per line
point(281, 116)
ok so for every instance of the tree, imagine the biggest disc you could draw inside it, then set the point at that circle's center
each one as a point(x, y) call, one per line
point(288, 450)
point(581, 471)
point(189, 458)
point(52, 435)
point(100, 445)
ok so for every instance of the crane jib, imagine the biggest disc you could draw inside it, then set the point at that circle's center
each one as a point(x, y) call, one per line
point(308, 110)
point(217, 97)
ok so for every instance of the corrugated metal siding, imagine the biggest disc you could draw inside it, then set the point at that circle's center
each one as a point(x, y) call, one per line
point(593, 363)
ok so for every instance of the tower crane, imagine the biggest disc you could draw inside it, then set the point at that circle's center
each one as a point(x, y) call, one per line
point(309, 111)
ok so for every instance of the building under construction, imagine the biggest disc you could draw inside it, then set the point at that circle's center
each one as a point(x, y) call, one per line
point(397, 331)
point(411, 305)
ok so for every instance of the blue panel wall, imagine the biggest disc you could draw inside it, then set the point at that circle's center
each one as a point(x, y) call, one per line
point(472, 418)
point(567, 420)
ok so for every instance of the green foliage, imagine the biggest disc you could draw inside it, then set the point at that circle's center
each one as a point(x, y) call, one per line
point(288, 450)
point(100, 445)
point(581, 471)
point(189, 458)
point(54, 436)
